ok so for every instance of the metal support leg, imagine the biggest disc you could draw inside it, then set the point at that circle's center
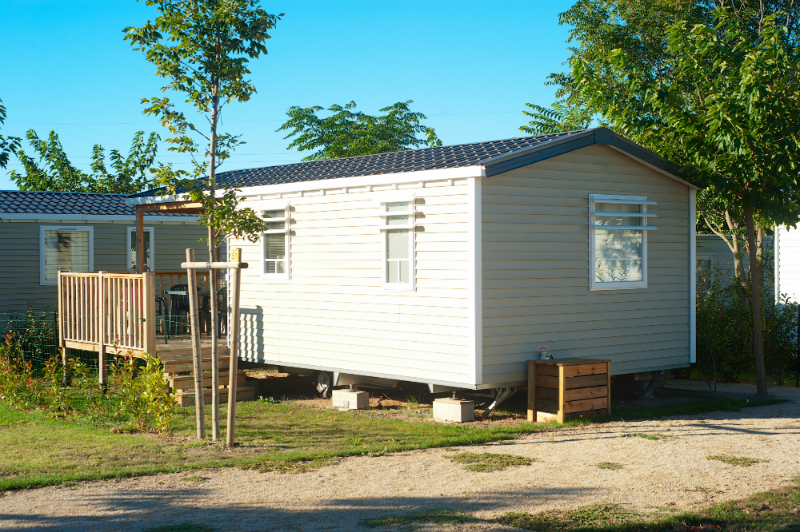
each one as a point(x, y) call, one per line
point(502, 395)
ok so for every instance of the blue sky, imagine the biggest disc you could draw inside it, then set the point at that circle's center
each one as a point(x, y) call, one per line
point(469, 65)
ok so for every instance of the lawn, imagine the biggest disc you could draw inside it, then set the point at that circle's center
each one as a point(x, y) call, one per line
point(273, 435)
point(772, 511)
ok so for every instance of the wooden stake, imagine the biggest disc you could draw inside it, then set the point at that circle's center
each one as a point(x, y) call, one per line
point(194, 322)
point(212, 292)
point(234, 347)
point(101, 350)
point(532, 391)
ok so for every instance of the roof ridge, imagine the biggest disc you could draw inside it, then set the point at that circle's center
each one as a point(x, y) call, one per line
point(451, 146)
point(64, 192)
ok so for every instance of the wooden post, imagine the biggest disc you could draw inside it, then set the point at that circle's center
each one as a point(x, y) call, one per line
point(101, 341)
point(64, 350)
point(139, 241)
point(608, 385)
point(234, 346)
point(531, 391)
point(562, 384)
point(149, 312)
point(194, 321)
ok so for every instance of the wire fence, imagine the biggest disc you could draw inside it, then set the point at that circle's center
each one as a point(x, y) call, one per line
point(35, 333)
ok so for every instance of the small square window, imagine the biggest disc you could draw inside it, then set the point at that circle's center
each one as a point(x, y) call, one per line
point(618, 241)
point(65, 249)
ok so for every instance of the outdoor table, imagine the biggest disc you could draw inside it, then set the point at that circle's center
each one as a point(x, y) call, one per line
point(204, 294)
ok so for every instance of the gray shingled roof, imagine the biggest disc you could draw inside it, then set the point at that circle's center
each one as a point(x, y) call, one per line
point(68, 203)
point(383, 163)
point(495, 156)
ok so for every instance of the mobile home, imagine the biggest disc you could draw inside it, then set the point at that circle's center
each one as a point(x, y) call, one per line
point(42, 233)
point(455, 265)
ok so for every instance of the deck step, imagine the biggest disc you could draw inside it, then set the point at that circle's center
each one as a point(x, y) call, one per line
point(179, 366)
point(243, 393)
point(186, 382)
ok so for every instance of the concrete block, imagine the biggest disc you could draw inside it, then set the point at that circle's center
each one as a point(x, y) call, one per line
point(350, 399)
point(453, 410)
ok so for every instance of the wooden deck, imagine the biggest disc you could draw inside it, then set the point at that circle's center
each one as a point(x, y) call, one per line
point(176, 355)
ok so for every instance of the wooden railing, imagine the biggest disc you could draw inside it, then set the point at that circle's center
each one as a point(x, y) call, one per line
point(102, 311)
point(166, 280)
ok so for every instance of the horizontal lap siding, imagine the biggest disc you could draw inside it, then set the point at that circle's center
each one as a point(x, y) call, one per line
point(536, 268)
point(333, 314)
point(712, 246)
point(789, 262)
point(20, 286)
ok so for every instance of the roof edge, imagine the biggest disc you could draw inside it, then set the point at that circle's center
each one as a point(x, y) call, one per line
point(582, 139)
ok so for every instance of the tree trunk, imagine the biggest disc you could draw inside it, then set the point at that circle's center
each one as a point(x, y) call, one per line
point(736, 249)
point(755, 301)
point(212, 278)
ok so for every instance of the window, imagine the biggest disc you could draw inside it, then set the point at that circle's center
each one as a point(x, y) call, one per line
point(618, 241)
point(65, 249)
point(398, 239)
point(149, 260)
point(275, 243)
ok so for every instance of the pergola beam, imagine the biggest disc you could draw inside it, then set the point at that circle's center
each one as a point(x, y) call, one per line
point(174, 207)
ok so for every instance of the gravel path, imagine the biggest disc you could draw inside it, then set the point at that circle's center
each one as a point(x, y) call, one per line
point(672, 472)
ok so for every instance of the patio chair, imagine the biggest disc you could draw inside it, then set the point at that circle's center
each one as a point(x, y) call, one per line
point(222, 310)
point(179, 304)
point(161, 315)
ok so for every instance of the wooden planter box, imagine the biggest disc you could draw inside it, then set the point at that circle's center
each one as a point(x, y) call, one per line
point(568, 388)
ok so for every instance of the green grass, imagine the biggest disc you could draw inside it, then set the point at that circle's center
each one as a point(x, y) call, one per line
point(649, 436)
point(437, 517)
point(736, 461)
point(195, 478)
point(283, 437)
point(777, 510)
point(613, 466)
point(184, 527)
point(277, 436)
point(489, 462)
point(773, 511)
point(595, 517)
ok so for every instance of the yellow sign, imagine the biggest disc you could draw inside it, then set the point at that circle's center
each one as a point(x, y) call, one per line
point(235, 255)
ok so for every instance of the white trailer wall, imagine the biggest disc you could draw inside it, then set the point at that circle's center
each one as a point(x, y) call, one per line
point(333, 313)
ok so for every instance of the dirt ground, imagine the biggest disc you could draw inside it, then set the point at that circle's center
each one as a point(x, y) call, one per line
point(657, 475)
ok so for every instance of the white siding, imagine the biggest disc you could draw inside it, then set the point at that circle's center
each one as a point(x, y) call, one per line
point(333, 314)
point(536, 268)
point(712, 246)
point(788, 262)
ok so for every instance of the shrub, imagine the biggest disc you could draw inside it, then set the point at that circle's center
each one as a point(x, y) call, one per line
point(725, 328)
point(146, 401)
point(18, 386)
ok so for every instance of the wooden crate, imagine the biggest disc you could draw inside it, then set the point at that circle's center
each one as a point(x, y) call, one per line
point(568, 388)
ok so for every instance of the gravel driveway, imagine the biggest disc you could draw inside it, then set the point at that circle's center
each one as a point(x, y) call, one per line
point(671, 472)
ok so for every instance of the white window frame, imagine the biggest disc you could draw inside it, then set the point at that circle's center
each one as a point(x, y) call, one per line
point(286, 207)
point(42, 228)
point(384, 228)
point(644, 228)
point(131, 231)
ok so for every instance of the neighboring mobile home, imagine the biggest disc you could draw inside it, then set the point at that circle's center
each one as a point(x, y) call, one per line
point(455, 265)
point(44, 232)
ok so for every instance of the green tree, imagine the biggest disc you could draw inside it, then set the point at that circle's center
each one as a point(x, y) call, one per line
point(711, 87)
point(203, 49)
point(52, 170)
point(348, 133)
point(8, 145)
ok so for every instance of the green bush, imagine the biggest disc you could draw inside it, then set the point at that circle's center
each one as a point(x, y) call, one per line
point(18, 386)
point(725, 328)
point(137, 400)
